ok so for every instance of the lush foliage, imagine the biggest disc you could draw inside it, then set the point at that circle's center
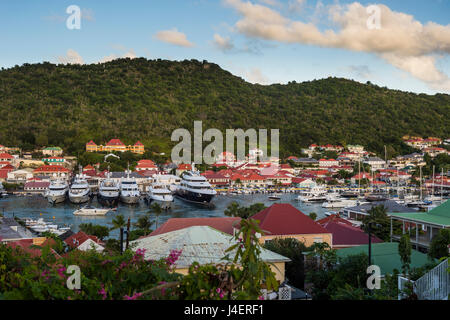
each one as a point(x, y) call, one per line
point(235, 210)
point(140, 99)
point(293, 249)
point(439, 244)
point(380, 223)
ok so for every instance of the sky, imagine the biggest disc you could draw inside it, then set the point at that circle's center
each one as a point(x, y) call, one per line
point(400, 44)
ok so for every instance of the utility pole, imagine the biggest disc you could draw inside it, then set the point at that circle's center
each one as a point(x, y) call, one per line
point(128, 233)
point(121, 240)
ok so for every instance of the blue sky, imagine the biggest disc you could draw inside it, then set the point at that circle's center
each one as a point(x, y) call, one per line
point(233, 34)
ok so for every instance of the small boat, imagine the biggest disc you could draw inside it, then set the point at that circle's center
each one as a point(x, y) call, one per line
point(274, 198)
point(90, 211)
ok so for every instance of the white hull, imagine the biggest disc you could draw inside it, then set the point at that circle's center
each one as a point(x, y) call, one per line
point(56, 198)
point(129, 199)
point(91, 212)
point(78, 198)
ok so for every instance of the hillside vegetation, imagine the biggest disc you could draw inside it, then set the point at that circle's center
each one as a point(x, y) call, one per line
point(67, 105)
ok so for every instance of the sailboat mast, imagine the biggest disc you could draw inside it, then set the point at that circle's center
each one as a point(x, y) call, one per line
point(420, 184)
point(432, 188)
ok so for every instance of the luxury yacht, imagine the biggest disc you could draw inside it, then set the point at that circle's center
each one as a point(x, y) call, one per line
point(129, 190)
point(79, 191)
point(108, 192)
point(334, 201)
point(317, 194)
point(160, 193)
point(57, 191)
point(2, 190)
point(195, 188)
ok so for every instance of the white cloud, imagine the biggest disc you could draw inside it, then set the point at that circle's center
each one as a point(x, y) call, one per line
point(223, 43)
point(174, 37)
point(72, 57)
point(129, 54)
point(255, 75)
point(402, 41)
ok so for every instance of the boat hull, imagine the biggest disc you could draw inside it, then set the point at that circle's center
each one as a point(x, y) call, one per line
point(79, 199)
point(108, 200)
point(129, 199)
point(192, 197)
point(57, 198)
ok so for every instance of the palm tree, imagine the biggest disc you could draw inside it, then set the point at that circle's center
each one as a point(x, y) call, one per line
point(144, 223)
point(118, 222)
point(157, 210)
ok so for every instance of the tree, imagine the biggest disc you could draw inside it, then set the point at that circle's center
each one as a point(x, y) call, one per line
point(100, 232)
point(156, 209)
point(118, 222)
point(377, 215)
point(235, 210)
point(292, 249)
point(404, 250)
point(439, 244)
point(313, 215)
point(144, 224)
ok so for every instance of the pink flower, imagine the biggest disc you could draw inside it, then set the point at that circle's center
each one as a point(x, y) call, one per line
point(105, 262)
point(260, 298)
point(173, 257)
point(218, 290)
point(222, 294)
point(61, 272)
point(102, 292)
point(134, 297)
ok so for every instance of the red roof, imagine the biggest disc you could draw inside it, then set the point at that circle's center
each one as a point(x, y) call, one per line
point(88, 167)
point(80, 237)
point(184, 166)
point(7, 167)
point(91, 143)
point(138, 143)
point(36, 184)
point(115, 142)
point(26, 246)
point(6, 156)
point(51, 168)
point(222, 224)
point(284, 219)
point(347, 235)
point(145, 161)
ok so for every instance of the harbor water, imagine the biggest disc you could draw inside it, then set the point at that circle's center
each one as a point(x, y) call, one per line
point(36, 207)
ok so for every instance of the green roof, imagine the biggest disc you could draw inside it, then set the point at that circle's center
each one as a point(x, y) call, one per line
point(53, 148)
point(437, 216)
point(385, 255)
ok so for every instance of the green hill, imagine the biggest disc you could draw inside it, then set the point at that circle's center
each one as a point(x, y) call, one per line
point(68, 105)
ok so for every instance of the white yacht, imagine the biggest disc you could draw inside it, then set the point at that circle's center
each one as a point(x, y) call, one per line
point(316, 194)
point(90, 211)
point(2, 190)
point(159, 192)
point(195, 188)
point(338, 202)
point(108, 192)
point(129, 190)
point(57, 191)
point(79, 191)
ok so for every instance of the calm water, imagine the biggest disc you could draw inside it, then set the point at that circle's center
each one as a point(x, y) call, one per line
point(62, 214)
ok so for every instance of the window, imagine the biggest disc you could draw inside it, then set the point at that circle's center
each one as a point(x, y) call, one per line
point(318, 239)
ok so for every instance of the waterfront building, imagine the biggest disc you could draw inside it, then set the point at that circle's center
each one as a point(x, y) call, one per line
point(19, 176)
point(38, 187)
point(55, 171)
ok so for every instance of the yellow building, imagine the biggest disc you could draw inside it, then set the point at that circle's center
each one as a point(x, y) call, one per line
point(282, 220)
point(115, 145)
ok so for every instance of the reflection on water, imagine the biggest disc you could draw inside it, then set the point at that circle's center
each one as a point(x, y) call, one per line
point(62, 214)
